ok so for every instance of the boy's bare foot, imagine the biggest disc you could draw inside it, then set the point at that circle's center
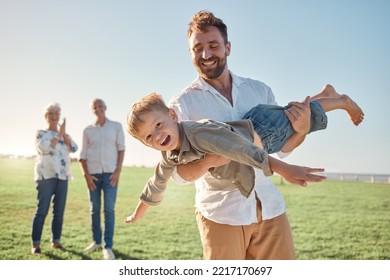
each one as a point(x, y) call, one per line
point(327, 91)
point(354, 111)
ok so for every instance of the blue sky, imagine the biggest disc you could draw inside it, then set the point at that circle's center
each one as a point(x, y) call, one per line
point(72, 51)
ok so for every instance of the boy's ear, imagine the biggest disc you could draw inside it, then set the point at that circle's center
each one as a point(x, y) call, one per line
point(173, 115)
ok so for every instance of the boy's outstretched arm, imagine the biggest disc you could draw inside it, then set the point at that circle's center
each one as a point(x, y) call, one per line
point(295, 174)
point(139, 212)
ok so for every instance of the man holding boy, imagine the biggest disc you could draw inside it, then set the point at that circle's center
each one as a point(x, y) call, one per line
point(156, 126)
point(230, 225)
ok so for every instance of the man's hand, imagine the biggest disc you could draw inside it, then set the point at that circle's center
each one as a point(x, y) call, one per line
point(114, 178)
point(299, 116)
point(90, 181)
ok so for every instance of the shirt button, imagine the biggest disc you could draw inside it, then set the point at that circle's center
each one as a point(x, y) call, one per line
point(233, 181)
point(219, 177)
point(184, 160)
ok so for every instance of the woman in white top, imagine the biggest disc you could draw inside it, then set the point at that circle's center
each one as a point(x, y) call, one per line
point(52, 172)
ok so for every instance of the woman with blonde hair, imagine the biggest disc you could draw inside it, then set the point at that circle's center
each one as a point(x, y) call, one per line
point(52, 172)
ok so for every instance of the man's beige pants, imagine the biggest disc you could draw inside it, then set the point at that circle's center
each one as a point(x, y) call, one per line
point(265, 240)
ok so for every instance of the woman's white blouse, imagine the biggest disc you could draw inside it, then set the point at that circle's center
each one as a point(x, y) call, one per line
point(52, 162)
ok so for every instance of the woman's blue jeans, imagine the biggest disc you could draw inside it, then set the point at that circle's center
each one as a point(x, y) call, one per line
point(54, 190)
point(109, 193)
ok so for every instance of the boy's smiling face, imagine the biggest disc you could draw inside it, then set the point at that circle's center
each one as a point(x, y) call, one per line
point(159, 130)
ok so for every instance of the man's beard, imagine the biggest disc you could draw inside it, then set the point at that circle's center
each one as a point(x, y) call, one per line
point(211, 73)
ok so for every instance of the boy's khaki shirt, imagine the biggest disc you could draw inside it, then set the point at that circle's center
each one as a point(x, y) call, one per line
point(233, 140)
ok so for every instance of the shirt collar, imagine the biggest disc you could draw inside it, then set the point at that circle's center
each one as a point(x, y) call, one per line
point(98, 125)
point(185, 146)
point(201, 84)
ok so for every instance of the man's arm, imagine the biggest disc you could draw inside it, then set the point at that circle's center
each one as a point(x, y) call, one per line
point(192, 171)
point(88, 177)
point(114, 178)
point(294, 141)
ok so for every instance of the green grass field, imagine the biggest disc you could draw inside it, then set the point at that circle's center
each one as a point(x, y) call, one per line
point(330, 220)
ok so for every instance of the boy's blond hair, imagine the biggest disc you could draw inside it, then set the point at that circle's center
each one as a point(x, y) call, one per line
point(150, 103)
